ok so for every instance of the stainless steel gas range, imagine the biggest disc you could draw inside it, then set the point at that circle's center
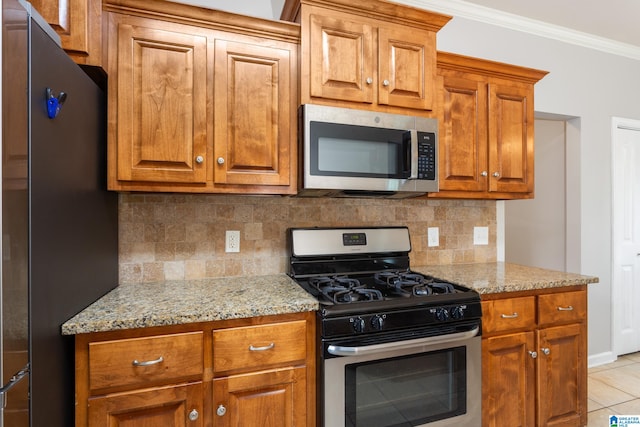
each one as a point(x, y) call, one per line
point(395, 347)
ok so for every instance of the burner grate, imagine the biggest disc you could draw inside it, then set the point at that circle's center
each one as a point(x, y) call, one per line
point(408, 284)
point(345, 290)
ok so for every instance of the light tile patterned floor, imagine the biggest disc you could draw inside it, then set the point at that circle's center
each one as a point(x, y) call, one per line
point(614, 389)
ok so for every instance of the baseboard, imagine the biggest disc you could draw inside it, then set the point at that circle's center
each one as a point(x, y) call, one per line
point(601, 359)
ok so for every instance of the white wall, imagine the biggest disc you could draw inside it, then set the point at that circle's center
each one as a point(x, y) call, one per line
point(535, 229)
point(268, 9)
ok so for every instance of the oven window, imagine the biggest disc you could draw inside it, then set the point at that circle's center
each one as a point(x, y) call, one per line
point(406, 391)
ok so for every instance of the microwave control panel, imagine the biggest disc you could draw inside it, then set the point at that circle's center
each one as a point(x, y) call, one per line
point(426, 155)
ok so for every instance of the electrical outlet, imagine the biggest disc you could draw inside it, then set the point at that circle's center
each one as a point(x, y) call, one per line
point(480, 235)
point(433, 236)
point(232, 241)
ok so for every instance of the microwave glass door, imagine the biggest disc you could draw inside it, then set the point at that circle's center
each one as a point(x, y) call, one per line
point(409, 390)
point(359, 151)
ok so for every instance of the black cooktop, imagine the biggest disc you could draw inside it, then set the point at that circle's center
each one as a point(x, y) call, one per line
point(362, 293)
point(365, 272)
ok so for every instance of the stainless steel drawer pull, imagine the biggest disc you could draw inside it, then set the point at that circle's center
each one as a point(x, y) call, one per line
point(533, 354)
point(509, 316)
point(148, 362)
point(264, 348)
point(570, 308)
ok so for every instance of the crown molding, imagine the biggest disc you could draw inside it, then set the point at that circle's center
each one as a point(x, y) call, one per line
point(499, 18)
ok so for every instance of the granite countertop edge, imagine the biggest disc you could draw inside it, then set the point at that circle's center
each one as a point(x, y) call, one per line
point(500, 277)
point(143, 305)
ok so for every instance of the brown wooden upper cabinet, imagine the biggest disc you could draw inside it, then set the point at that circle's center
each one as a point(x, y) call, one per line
point(374, 55)
point(200, 100)
point(79, 24)
point(485, 112)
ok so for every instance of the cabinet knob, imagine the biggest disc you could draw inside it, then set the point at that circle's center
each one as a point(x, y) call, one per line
point(483, 173)
point(199, 159)
point(193, 415)
point(545, 351)
point(533, 354)
point(385, 82)
point(221, 160)
point(496, 174)
point(369, 80)
point(221, 410)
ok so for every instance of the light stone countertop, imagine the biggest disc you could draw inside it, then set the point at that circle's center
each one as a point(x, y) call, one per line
point(189, 301)
point(496, 277)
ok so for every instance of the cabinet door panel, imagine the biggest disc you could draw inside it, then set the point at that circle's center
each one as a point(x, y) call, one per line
point(508, 381)
point(161, 98)
point(69, 19)
point(511, 132)
point(562, 376)
point(265, 346)
point(263, 399)
point(509, 314)
point(564, 307)
point(406, 63)
point(253, 113)
point(176, 357)
point(171, 406)
point(341, 59)
point(463, 134)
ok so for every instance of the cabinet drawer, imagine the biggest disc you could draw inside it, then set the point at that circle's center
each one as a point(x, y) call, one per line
point(145, 361)
point(257, 347)
point(508, 314)
point(562, 307)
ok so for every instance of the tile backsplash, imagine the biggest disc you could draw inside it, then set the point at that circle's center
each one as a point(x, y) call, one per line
point(181, 236)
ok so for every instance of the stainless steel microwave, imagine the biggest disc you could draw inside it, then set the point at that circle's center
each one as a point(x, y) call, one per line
point(356, 153)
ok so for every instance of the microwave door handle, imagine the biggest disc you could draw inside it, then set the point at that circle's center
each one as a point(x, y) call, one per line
point(412, 153)
point(338, 350)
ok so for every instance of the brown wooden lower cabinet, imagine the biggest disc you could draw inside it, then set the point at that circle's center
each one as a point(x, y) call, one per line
point(261, 399)
point(534, 358)
point(246, 372)
point(176, 405)
point(508, 380)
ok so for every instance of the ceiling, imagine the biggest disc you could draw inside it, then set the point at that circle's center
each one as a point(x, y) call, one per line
point(614, 19)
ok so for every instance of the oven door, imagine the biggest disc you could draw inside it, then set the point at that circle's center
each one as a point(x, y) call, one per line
point(433, 381)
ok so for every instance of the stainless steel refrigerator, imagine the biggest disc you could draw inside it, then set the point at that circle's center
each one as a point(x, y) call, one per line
point(59, 224)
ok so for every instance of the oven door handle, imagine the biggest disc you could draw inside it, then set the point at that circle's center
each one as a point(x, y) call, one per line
point(338, 350)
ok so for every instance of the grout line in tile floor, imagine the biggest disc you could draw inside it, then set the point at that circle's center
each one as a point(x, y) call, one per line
point(614, 389)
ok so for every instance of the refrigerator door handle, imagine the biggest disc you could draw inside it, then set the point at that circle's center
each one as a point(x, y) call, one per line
point(15, 379)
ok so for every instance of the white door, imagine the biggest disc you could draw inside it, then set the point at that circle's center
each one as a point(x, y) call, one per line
point(626, 235)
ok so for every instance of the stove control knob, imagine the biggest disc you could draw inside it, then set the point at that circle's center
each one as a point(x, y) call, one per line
point(377, 322)
point(442, 314)
point(358, 324)
point(457, 312)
